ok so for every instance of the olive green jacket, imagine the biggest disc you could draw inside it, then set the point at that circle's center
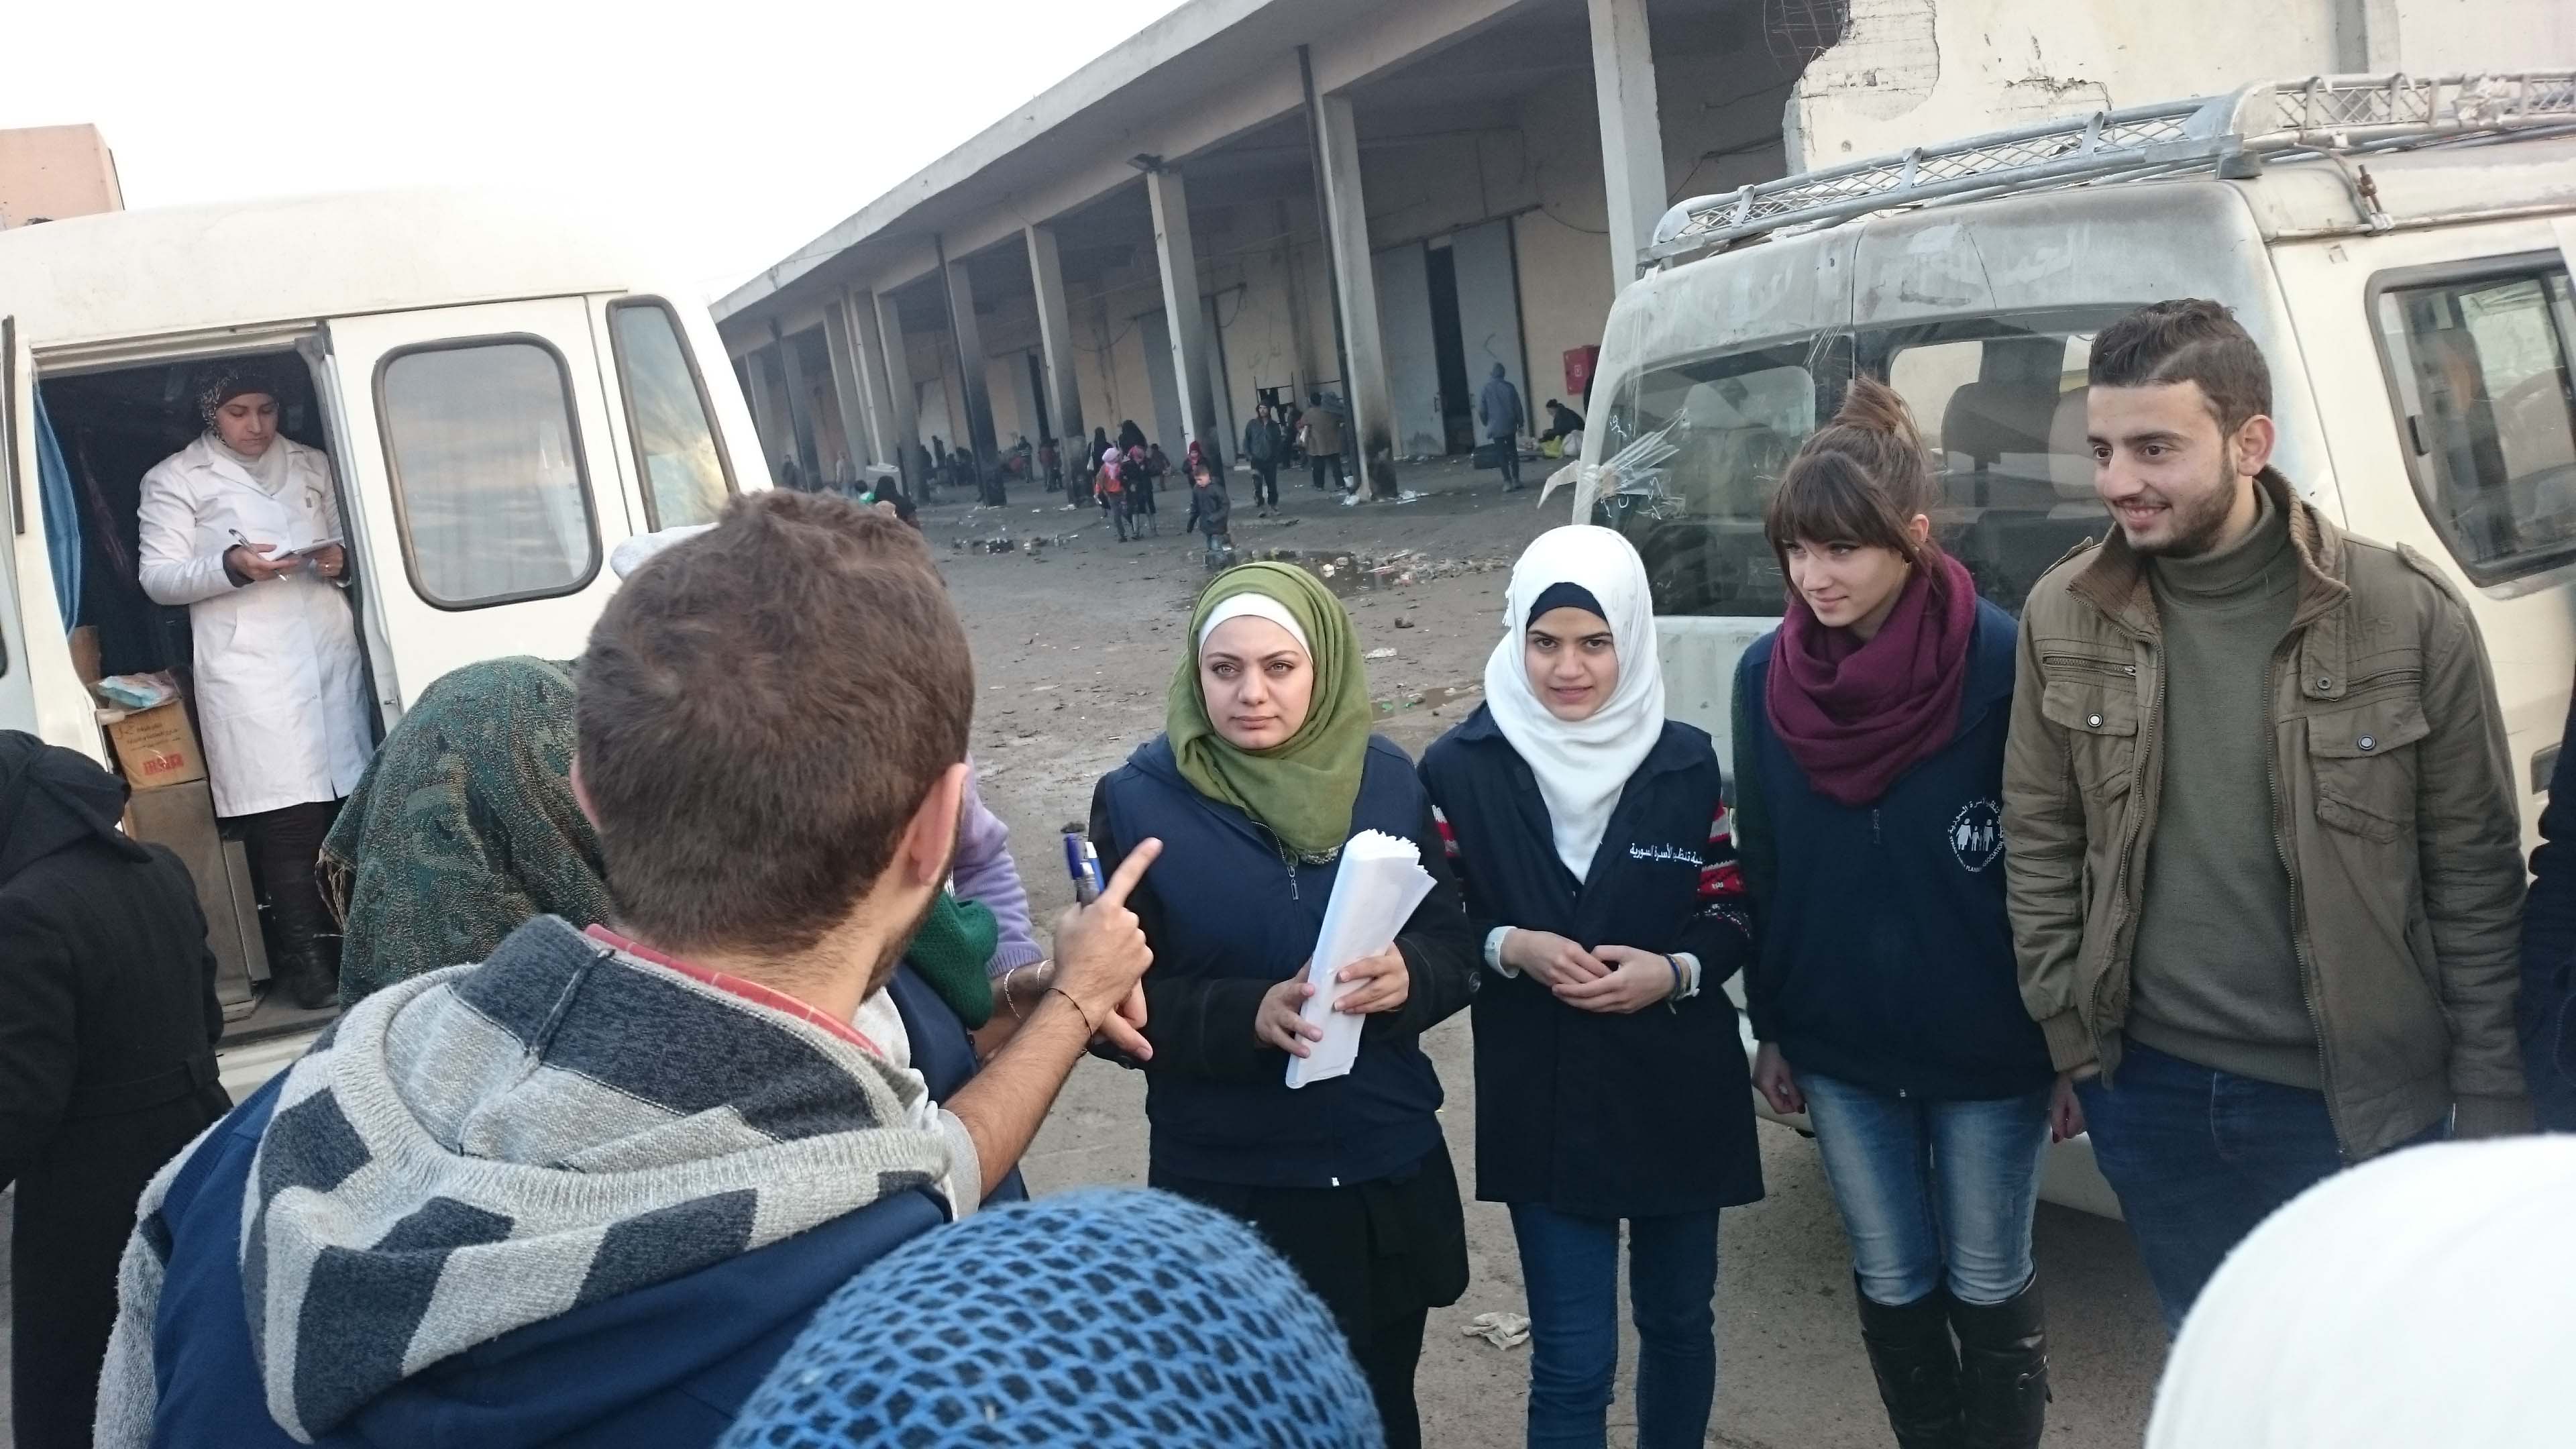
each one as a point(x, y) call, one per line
point(2392, 801)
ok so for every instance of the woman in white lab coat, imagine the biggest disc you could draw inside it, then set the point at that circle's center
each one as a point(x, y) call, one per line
point(242, 526)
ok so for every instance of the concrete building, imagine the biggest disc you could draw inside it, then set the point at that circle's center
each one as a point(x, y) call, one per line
point(50, 172)
point(1380, 201)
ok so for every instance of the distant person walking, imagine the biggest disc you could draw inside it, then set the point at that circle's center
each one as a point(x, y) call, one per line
point(1323, 443)
point(1498, 407)
point(1112, 490)
point(1210, 513)
point(1262, 445)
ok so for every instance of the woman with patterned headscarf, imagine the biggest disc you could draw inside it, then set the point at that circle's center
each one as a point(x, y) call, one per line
point(242, 527)
point(1265, 769)
point(467, 825)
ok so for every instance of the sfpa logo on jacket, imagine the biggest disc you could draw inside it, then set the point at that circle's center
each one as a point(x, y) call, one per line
point(1977, 834)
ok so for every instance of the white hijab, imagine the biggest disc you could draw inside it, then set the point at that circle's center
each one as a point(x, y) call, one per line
point(1581, 767)
point(2418, 1299)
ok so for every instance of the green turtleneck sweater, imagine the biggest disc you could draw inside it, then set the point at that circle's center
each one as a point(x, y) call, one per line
point(2215, 979)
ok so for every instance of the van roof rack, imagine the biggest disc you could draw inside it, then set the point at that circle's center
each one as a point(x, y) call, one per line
point(2229, 134)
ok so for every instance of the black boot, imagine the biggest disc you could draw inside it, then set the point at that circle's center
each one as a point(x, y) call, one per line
point(2003, 1370)
point(1918, 1373)
point(309, 971)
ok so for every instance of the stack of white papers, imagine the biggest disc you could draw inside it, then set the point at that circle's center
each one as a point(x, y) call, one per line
point(1380, 882)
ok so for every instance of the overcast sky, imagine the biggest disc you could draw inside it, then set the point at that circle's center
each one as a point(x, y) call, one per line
point(761, 123)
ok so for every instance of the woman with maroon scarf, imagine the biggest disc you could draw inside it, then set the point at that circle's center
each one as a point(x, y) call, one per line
point(1869, 738)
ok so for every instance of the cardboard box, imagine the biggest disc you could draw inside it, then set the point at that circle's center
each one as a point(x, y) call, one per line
point(155, 747)
point(182, 817)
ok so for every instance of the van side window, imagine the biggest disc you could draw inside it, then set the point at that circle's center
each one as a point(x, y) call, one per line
point(667, 418)
point(2481, 368)
point(2000, 401)
point(487, 471)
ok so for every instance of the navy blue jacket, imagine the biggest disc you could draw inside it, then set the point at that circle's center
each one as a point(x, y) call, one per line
point(1886, 957)
point(2546, 1011)
point(1229, 916)
point(1600, 1115)
point(669, 1365)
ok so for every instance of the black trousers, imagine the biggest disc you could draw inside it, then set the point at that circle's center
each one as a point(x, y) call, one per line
point(1381, 1255)
point(1321, 463)
point(284, 845)
point(1265, 485)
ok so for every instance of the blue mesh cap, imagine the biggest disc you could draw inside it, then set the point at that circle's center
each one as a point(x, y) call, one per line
point(1104, 1317)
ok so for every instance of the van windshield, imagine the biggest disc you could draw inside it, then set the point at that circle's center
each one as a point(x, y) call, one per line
point(2000, 401)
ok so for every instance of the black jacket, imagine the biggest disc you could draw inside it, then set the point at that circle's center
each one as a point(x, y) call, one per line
point(107, 1024)
point(1209, 508)
point(1261, 442)
point(1886, 957)
point(1605, 1116)
point(2546, 1011)
point(1229, 917)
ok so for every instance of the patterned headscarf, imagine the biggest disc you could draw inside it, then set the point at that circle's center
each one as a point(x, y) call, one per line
point(465, 825)
point(234, 379)
point(1109, 1318)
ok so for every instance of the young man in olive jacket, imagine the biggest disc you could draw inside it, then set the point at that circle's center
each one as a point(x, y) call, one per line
point(2264, 866)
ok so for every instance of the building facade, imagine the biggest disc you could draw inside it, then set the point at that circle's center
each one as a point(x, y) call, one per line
point(1276, 198)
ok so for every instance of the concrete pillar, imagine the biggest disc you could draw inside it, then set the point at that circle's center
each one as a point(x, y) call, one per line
point(859, 328)
point(969, 338)
point(1355, 285)
point(1186, 320)
point(897, 365)
point(800, 433)
point(846, 389)
point(1632, 136)
point(1055, 333)
point(775, 441)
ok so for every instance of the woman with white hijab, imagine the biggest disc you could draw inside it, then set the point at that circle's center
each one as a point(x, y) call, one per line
point(1595, 853)
point(242, 528)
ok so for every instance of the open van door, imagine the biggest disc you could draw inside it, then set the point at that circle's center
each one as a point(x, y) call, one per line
point(24, 525)
point(478, 488)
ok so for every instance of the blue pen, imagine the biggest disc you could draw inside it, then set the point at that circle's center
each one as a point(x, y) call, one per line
point(1082, 862)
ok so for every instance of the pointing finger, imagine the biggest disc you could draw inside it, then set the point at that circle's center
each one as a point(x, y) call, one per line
point(1130, 871)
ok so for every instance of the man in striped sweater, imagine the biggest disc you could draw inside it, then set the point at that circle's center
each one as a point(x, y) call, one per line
point(592, 1187)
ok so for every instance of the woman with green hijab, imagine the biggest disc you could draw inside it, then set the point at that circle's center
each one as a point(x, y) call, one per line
point(465, 826)
point(1265, 768)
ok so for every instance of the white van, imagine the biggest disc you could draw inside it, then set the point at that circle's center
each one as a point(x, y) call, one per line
point(2400, 248)
point(504, 396)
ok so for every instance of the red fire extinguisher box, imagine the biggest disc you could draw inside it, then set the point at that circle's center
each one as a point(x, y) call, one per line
point(1580, 363)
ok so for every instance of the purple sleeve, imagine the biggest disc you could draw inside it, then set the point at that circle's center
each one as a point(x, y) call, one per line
point(983, 872)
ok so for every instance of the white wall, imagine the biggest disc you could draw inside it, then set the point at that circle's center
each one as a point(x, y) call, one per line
point(1912, 72)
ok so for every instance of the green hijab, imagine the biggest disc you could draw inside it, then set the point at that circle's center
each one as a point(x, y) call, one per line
point(465, 826)
point(1303, 790)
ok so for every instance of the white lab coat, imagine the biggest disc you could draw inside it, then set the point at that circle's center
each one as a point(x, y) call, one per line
point(281, 693)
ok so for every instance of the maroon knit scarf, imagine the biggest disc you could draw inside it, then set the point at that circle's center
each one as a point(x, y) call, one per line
point(1855, 716)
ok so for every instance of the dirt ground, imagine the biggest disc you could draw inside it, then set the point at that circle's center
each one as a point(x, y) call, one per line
point(1075, 649)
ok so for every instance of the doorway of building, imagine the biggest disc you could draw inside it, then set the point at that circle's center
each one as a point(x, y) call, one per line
point(1457, 402)
point(1449, 310)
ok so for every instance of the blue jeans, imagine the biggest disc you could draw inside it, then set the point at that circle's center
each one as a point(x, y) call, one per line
point(2199, 1157)
point(1931, 1192)
point(1571, 1267)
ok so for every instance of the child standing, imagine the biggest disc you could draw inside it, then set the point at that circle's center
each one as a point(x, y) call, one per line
point(1210, 511)
point(1113, 491)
